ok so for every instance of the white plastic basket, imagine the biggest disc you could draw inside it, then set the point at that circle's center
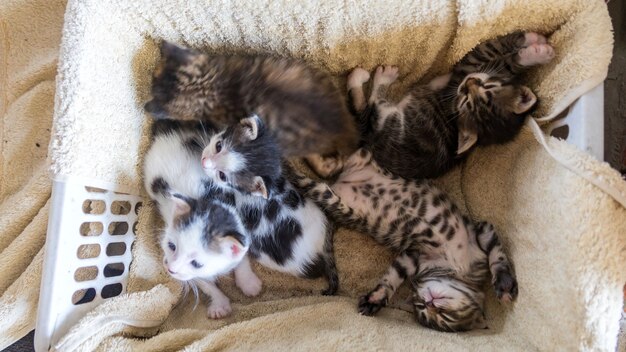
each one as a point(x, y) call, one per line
point(71, 285)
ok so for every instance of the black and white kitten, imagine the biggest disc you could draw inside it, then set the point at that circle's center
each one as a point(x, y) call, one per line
point(204, 237)
point(289, 232)
point(447, 257)
point(429, 131)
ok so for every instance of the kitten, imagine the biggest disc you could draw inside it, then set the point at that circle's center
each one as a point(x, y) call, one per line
point(289, 233)
point(301, 106)
point(204, 236)
point(447, 257)
point(430, 130)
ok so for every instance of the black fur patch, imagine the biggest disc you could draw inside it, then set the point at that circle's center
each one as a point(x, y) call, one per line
point(292, 199)
point(251, 217)
point(160, 186)
point(271, 210)
point(315, 269)
point(278, 245)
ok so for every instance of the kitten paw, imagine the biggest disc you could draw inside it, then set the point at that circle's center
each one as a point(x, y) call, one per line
point(385, 75)
point(505, 286)
point(250, 285)
point(531, 38)
point(219, 309)
point(371, 303)
point(357, 77)
point(536, 54)
point(325, 166)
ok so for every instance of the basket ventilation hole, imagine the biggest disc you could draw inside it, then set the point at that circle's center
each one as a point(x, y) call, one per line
point(111, 290)
point(137, 207)
point(114, 269)
point(118, 228)
point(94, 206)
point(95, 190)
point(86, 251)
point(91, 228)
point(84, 295)
point(86, 273)
point(135, 227)
point(120, 207)
point(116, 248)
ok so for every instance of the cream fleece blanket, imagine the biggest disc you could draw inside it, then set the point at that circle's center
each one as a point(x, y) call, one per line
point(565, 235)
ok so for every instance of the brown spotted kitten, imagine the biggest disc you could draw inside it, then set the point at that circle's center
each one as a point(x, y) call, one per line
point(447, 257)
point(302, 108)
point(433, 126)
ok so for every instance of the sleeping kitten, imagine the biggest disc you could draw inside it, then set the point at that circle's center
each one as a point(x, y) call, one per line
point(204, 236)
point(447, 257)
point(431, 128)
point(301, 106)
point(289, 233)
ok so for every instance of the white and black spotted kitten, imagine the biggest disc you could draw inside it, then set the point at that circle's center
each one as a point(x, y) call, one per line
point(289, 233)
point(447, 257)
point(204, 237)
point(433, 126)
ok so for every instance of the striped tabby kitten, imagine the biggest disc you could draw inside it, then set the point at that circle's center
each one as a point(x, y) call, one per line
point(430, 129)
point(301, 106)
point(447, 257)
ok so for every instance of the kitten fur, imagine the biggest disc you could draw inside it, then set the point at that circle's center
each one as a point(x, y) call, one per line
point(447, 257)
point(204, 236)
point(430, 130)
point(301, 106)
point(289, 233)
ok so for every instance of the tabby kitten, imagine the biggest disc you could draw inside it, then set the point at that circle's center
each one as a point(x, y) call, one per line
point(301, 106)
point(447, 256)
point(432, 127)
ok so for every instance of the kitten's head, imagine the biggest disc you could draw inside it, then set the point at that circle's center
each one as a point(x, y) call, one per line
point(447, 304)
point(205, 239)
point(245, 157)
point(178, 84)
point(491, 110)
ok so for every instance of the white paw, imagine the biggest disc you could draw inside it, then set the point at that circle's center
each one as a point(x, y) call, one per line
point(385, 75)
point(250, 285)
point(219, 309)
point(357, 77)
point(534, 38)
point(536, 54)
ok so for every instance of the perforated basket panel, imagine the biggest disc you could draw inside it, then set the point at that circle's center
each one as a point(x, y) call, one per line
point(88, 253)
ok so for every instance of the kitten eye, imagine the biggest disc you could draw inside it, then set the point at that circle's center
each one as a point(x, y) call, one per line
point(489, 85)
point(195, 264)
point(218, 146)
point(171, 246)
point(222, 176)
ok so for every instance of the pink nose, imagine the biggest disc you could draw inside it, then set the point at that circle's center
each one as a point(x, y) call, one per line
point(170, 271)
point(204, 160)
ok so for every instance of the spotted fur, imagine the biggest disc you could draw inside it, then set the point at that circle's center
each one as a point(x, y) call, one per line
point(432, 127)
point(446, 256)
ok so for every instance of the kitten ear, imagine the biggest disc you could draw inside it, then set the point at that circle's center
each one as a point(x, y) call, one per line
point(251, 126)
point(258, 187)
point(467, 139)
point(174, 52)
point(182, 204)
point(230, 243)
point(526, 100)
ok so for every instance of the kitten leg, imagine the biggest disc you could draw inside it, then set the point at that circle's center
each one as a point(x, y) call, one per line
point(403, 266)
point(502, 276)
point(324, 166)
point(220, 304)
point(535, 54)
point(383, 77)
point(246, 279)
point(356, 79)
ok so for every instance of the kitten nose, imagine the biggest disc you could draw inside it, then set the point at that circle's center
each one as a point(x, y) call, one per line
point(205, 162)
point(170, 271)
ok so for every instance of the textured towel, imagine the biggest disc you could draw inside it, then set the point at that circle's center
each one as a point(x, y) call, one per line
point(566, 237)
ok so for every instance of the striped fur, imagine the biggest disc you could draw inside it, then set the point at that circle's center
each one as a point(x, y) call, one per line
point(446, 256)
point(433, 126)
